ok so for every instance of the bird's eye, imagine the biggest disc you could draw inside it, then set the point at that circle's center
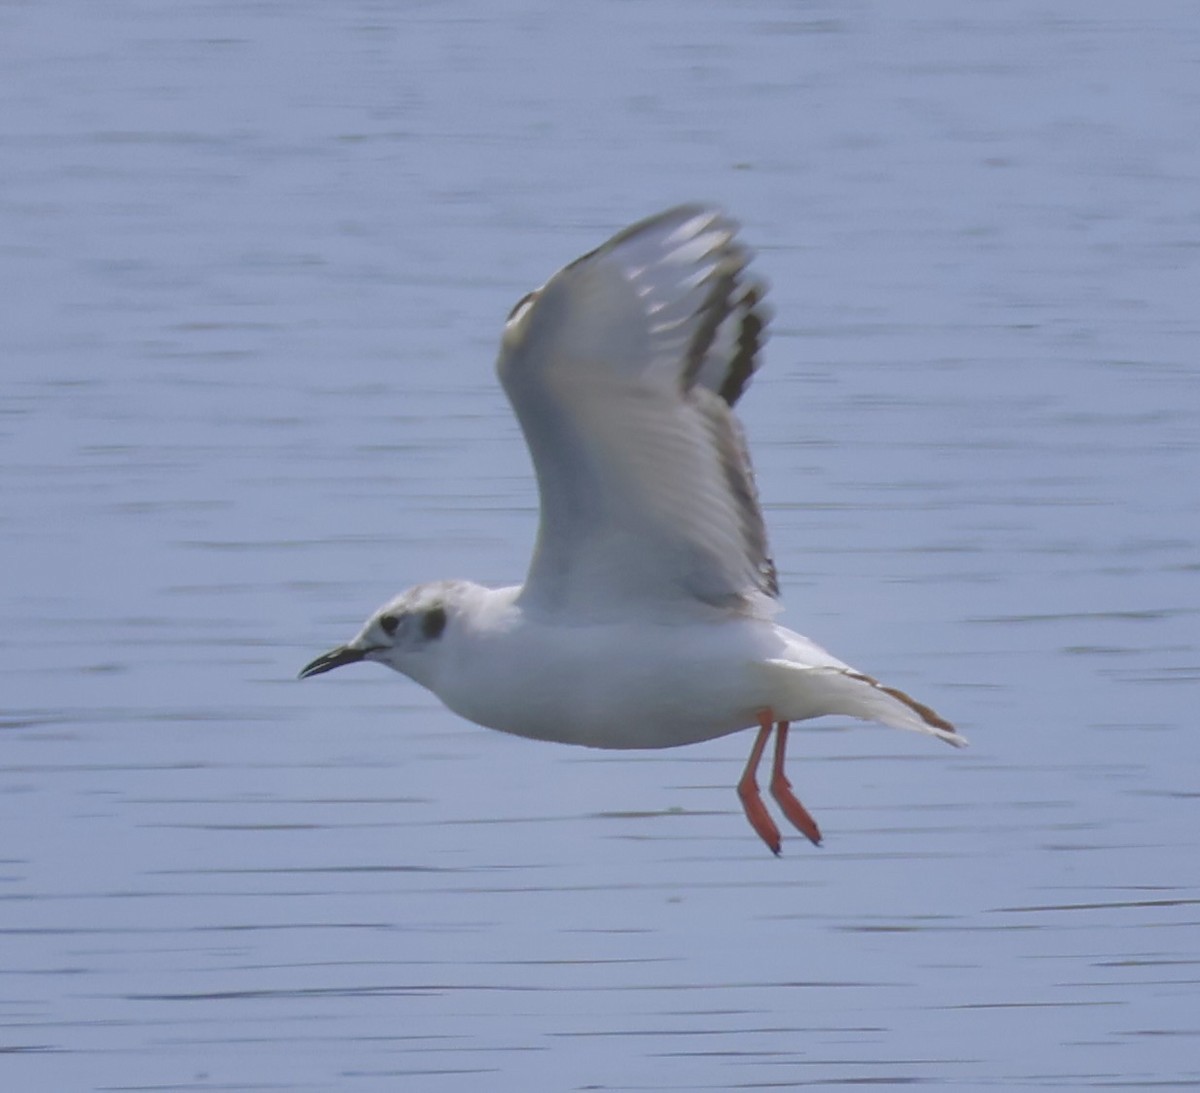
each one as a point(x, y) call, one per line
point(389, 623)
point(434, 622)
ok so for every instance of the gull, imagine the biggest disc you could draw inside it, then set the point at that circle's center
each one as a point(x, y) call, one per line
point(646, 619)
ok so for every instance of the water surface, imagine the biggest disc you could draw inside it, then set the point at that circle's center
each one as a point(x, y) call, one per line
point(255, 261)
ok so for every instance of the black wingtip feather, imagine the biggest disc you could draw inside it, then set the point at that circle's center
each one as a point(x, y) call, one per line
point(749, 342)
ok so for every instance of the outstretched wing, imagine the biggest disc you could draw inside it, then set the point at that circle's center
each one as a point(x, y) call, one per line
point(622, 370)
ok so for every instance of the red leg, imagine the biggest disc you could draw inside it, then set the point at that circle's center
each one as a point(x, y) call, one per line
point(781, 790)
point(747, 788)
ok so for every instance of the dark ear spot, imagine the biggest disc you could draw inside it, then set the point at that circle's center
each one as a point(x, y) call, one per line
point(389, 623)
point(434, 622)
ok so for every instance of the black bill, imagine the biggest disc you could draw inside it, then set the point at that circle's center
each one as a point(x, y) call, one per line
point(335, 658)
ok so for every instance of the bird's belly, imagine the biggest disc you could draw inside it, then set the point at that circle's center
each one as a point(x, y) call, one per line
point(610, 686)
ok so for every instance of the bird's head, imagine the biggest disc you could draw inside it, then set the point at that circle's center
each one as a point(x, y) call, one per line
point(405, 633)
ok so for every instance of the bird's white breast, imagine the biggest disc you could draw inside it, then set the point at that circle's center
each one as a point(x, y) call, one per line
point(609, 685)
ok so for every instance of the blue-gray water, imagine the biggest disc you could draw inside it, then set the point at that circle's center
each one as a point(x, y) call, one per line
point(254, 259)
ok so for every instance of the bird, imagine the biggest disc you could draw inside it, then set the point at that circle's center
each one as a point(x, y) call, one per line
point(647, 617)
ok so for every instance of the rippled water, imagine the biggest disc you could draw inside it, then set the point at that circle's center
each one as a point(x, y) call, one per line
point(254, 261)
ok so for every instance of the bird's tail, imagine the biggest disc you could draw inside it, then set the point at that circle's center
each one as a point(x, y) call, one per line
point(835, 690)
